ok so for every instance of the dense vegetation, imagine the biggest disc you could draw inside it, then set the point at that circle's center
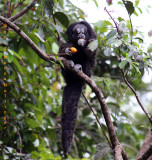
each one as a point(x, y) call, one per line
point(34, 86)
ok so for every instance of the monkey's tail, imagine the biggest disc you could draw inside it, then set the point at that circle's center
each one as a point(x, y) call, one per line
point(71, 96)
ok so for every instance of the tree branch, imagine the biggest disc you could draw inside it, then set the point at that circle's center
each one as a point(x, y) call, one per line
point(137, 98)
point(117, 152)
point(146, 149)
point(90, 82)
point(16, 5)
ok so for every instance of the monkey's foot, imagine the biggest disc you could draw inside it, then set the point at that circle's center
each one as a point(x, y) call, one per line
point(71, 63)
point(78, 67)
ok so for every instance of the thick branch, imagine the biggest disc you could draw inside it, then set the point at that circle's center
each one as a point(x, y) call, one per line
point(146, 149)
point(89, 81)
point(117, 152)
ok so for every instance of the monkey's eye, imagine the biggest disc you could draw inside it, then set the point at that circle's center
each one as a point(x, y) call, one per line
point(78, 30)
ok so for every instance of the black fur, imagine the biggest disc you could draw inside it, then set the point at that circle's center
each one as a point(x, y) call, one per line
point(73, 88)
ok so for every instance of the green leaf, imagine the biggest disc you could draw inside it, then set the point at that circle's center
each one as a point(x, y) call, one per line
point(137, 68)
point(61, 63)
point(122, 64)
point(96, 3)
point(1, 54)
point(137, 2)
point(140, 10)
point(31, 123)
point(149, 50)
point(140, 39)
point(41, 33)
point(130, 8)
point(107, 83)
point(102, 25)
point(40, 38)
point(51, 133)
point(93, 45)
point(61, 3)
point(120, 19)
point(122, 27)
point(107, 52)
point(14, 53)
point(55, 48)
point(111, 34)
point(35, 155)
point(10, 57)
point(1, 48)
point(111, 40)
point(62, 18)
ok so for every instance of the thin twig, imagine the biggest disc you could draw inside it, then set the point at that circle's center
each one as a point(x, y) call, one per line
point(4, 9)
point(113, 20)
point(141, 125)
point(97, 120)
point(137, 98)
point(8, 8)
point(41, 10)
point(75, 147)
point(60, 54)
point(16, 5)
point(118, 94)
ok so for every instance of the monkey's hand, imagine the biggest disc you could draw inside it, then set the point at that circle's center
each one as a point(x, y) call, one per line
point(78, 67)
point(71, 63)
point(71, 50)
point(68, 50)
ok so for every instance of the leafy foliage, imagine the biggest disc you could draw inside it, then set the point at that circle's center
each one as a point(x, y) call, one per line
point(34, 87)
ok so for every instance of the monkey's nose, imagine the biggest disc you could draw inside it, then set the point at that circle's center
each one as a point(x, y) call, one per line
point(81, 36)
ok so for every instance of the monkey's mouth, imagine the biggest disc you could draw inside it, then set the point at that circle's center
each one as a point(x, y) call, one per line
point(81, 42)
point(81, 39)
